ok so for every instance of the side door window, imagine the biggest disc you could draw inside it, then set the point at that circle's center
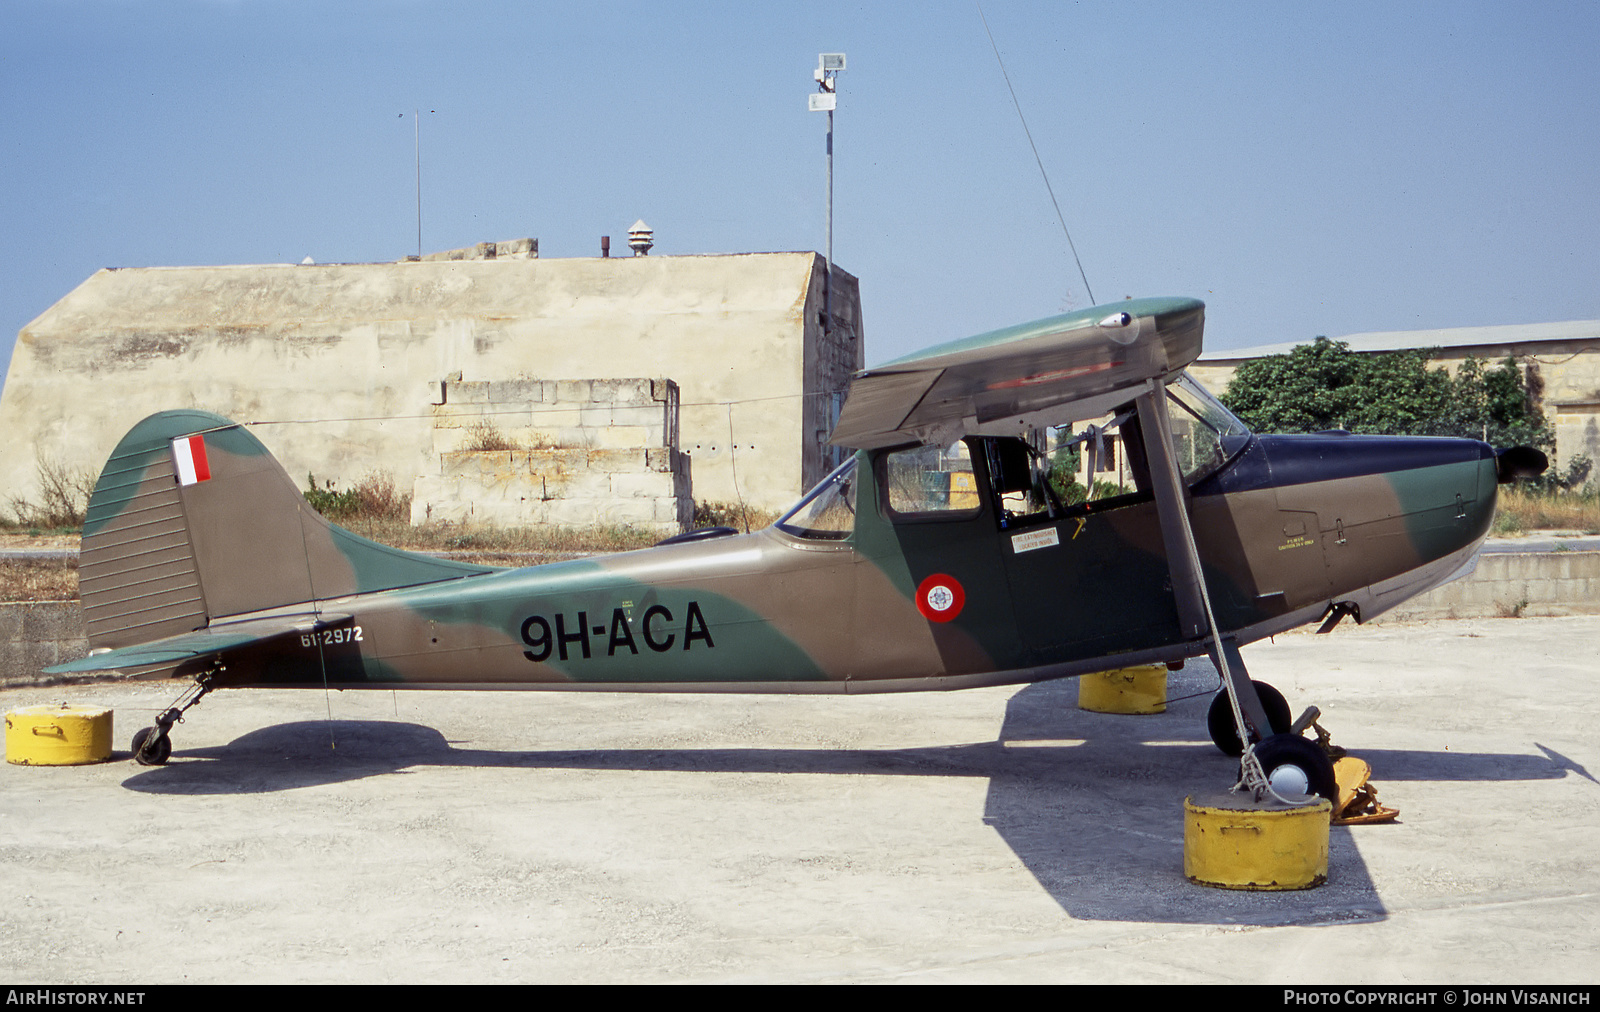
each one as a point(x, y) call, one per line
point(931, 482)
point(1069, 471)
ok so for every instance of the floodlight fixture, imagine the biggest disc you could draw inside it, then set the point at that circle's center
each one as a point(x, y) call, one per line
point(831, 63)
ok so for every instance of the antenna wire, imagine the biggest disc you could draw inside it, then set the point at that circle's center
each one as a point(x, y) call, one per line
point(1059, 216)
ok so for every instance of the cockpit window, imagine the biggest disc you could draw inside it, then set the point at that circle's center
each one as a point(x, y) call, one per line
point(1066, 471)
point(931, 481)
point(828, 512)
point(1098, 465)
point(1089, 461)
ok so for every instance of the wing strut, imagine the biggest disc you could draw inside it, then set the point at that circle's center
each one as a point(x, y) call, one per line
point(1195, 616)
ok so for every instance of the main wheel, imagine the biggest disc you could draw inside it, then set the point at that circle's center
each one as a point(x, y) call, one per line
point(151, 753)
point(1294, 765)
point(1220, 719)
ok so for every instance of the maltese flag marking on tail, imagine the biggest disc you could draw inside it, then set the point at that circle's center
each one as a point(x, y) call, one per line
point(189, 454)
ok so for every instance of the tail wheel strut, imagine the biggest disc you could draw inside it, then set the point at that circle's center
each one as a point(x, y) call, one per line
point(152, 746)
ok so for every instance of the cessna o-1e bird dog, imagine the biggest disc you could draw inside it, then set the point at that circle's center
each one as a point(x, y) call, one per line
point(937, 557)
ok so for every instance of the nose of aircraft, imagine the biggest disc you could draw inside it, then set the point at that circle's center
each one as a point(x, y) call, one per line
point(1385, 504)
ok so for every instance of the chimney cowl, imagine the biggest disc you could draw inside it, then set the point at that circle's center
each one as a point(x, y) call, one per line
point(641, 237)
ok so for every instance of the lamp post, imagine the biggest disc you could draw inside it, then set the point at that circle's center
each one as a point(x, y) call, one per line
point(829, 66)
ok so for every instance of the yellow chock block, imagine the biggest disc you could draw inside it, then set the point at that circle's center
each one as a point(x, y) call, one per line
point(1232, 841)
point(1140, 689)
point(58, 735)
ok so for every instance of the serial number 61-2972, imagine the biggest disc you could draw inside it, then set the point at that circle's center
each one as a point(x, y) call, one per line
point(331, 637)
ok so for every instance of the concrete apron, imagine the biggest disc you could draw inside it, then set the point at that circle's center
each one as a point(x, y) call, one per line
point(992, 835)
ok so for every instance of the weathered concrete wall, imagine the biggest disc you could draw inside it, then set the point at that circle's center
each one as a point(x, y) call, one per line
point(568, 414)
point(572, 453)
point(557, 488)
point(335, 361)
point(829, 364)
point(36, 634)
point(1578, 429)
point(1507, 585)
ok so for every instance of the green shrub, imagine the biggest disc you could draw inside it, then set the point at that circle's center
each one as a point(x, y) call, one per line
point(374, 497)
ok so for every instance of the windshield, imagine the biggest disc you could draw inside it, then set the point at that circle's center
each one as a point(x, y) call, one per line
point(828, 512)
point(1204, 433)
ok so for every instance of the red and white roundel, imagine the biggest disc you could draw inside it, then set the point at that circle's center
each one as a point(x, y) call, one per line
point(940, 598)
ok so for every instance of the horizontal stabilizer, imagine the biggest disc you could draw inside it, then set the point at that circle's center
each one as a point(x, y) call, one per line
point(1051, 372)
point(200, 643)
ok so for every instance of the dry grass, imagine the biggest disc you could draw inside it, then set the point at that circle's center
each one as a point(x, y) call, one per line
point(735, 515)
point(1520, 510)
point(38, 579)
point(485, 435)
point(503, 541)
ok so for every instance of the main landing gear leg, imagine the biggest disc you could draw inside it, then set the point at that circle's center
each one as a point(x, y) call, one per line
point(1264, 749)
point(1259, 705)
point(1277, 757)
point(151, 745)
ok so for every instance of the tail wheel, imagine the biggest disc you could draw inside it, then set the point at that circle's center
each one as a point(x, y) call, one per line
point(1294, 765)
point(1220, 719)
point(151, 748)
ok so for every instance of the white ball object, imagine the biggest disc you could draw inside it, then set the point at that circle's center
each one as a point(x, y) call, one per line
point(1287, 780)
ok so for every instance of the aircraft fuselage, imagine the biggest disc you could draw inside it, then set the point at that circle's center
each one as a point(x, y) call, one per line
point(1288, 526)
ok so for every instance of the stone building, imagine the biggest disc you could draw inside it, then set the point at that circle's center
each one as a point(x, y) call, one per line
point(1561, 362)
point(339, 366)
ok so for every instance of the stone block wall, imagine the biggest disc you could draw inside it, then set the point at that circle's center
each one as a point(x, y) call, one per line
point(518, 249)
point(37, 634)
point(1513, 585)
point(558, 453)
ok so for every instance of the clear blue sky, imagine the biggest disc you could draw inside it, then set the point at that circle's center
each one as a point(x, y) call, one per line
point(1305, 169)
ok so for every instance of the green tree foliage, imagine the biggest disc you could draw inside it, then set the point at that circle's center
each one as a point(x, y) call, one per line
point(1064, 464)
point(1325, 385)
point(1063, 478)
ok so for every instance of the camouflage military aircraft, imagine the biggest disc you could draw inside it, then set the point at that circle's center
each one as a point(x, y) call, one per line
point(938, 556)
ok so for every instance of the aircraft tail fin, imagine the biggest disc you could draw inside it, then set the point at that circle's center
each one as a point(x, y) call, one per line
point(192, 520)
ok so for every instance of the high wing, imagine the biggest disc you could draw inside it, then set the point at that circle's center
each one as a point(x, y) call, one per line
point(1050, 372)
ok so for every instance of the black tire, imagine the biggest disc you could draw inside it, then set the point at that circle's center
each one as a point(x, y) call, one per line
point(1290, 750)
point(151, 753)
point(1220, 718)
